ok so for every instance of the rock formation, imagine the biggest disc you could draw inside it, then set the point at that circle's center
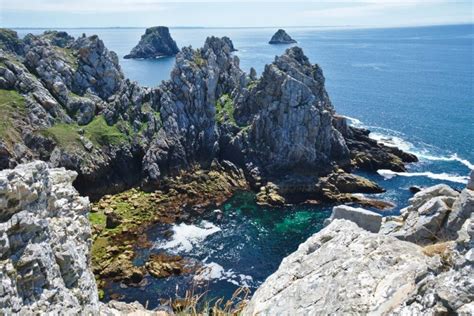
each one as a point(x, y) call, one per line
point(346, 269)
point(281, 37)
point(69, 104)
point(156, 42)
point(45, 243)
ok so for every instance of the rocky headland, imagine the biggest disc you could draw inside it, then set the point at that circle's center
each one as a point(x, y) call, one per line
point(156, 42)
point(281, 37)
point(160, 155)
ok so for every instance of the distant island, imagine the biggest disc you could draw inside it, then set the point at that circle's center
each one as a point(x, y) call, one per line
point(156, 42)
point(281, 37)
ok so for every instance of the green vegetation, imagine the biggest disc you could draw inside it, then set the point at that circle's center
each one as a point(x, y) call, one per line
point(67, 55)
point(97, 131)
point(12, 109)
point(225, 110)
point(198, 59)
point(100, 133)
point(252, 84)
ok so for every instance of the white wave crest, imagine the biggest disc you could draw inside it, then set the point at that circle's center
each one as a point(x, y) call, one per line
point(453, 157)
point(185, 237)
point(388, 174)
point(214, 271)
point(353, 121)
point(392, 141)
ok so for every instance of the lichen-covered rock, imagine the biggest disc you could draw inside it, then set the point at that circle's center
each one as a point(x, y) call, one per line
point(343, 269)
point(156, 42)
point(281, 37)
point(45, 243)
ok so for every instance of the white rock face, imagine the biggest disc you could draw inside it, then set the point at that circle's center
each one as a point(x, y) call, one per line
point(365, 219)
point(44, 243)
point(343, 269)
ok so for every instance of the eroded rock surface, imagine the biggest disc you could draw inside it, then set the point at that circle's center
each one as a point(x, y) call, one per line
point(45, 243)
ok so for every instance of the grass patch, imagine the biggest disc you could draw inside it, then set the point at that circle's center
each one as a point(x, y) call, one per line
point(100, 133)
point(225, 110)
point(198, 59)
point(12, 108)
point(97, 131)
point(252, 84)
point(67, 55)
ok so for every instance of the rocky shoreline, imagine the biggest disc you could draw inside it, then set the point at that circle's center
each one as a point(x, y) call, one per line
point(418, 263)
point(160, 155)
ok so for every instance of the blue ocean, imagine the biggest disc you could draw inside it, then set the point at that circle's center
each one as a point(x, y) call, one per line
point(412, 87)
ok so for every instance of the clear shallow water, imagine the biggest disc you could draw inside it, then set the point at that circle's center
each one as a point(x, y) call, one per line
point(413, 87)
point(241, 248)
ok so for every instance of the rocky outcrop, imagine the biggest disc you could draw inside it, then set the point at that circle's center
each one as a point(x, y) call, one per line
point(346, 269)
point(281, 37)
point(435, 214)
point(290, 118)
point(45, 243)
point(156, 42)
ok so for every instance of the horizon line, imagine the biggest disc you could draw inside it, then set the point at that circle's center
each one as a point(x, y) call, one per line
point(239, 27)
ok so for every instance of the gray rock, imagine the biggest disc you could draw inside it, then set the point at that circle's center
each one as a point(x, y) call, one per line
point(365, 219)
point(343, 269)
point(470, 183)
point(281, 37)
point(156, 42)
point(45, 243)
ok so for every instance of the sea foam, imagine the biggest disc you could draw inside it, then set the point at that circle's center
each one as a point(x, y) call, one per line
point(388, 174)
point(185, 236)
point(214, 271)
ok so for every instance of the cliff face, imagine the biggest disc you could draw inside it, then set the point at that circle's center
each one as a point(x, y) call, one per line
point(45, 243)
point(67, 102)
point(347, 269)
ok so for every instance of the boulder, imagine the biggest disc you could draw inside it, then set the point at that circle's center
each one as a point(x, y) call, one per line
point(365, 219)
point(156, 42)
point(281, 37)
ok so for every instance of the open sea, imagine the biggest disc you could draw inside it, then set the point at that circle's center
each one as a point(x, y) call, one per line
point(413, 87)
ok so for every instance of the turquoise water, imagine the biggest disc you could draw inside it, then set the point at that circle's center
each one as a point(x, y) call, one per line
point(413, 87)
point(240, 247)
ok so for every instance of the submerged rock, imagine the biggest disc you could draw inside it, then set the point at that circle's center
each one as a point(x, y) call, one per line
point(156, 42)
point(281, 37)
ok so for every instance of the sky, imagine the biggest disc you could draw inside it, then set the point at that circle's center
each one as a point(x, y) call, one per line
point(243, 13)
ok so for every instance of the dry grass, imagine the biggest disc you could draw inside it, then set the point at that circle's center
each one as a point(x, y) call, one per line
point(198, 304)
point(443, 250)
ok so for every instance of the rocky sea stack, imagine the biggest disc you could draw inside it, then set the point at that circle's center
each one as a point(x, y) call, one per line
point(281, 37)
point(156, 42)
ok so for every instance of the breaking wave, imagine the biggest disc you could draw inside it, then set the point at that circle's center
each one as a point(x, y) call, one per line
point(185, 236)
point(388, 174)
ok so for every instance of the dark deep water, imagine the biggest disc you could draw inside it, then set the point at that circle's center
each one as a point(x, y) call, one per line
point(413, 87)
